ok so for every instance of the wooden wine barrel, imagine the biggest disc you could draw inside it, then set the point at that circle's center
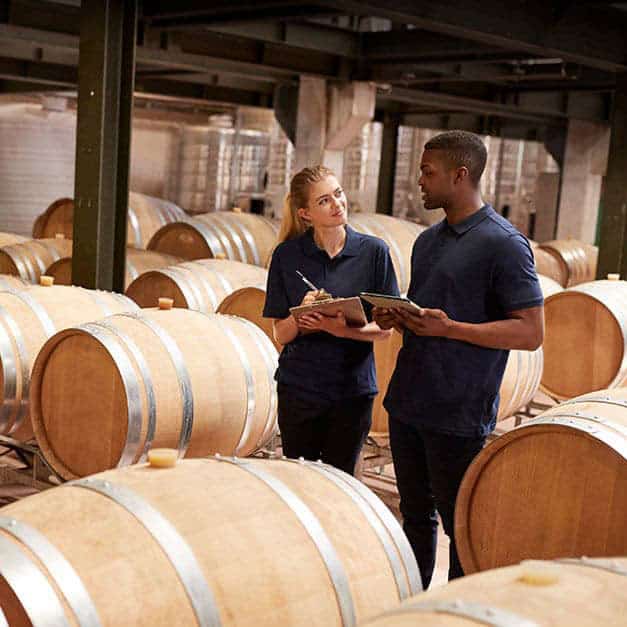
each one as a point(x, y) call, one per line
point(137, 262)
point(521, 379)
point(7, 239)
point(398, 234)
point(553, 487)
point(200, 285)
point(237, 236)
point(12, 282)
point(585, 344)
point(202, 383)
point(146, 215)
point(30, 259)
point(183, 541)
point(573, 592)
point(577, 261)
point(28, 317)
point(248, 302)
point(57, 219)
point(548, 265)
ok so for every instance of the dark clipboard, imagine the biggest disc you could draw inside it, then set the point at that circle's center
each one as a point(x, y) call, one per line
point(387, 301)
point(351, 307)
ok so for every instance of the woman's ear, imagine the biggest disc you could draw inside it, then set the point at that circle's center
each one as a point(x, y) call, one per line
point(303, 214)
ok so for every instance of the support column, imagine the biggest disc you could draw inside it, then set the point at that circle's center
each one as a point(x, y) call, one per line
point(387, 168)
point(105, 97)
point(329, 117)
point(585, 160)
point(311, 122)
point(613, 231)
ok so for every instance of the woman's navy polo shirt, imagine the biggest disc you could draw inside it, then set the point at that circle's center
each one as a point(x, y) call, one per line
point(320, 366)
point(476, 271)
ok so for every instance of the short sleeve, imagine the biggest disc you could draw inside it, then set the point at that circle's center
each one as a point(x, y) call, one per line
point(277, 304)
point(386, 282)
point(515, 281)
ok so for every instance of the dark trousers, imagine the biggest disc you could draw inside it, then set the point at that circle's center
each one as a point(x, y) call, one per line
point(333, 432)
point(429, 469)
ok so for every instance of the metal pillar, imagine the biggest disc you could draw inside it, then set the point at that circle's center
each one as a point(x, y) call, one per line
point(387, 168)
point(105, 99)
point(612, 253)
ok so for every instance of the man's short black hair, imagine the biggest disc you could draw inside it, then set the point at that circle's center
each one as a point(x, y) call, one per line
point(463, 149)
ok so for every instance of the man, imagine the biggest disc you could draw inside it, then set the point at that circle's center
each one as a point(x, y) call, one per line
point(473, 274)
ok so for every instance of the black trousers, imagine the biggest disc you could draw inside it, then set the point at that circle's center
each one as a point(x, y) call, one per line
point(429, 469)
point(333, 432)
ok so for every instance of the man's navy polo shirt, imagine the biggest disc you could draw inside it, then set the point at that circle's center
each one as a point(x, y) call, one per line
point(476, 271)
point(320, 366)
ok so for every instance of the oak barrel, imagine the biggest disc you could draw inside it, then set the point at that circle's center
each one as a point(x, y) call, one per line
point(137, 262)
point(6, 239)
point(210, 542)
point(28, 317)
point(146, 215)
point(30, 259)
point(12, 282)
point(577, 261)
point(553, 487)
point(397, 233)
point(104, 393)
point(200, 285)
point(585, 344)
point(237, 236)
point(535, 593)
point(548, 265)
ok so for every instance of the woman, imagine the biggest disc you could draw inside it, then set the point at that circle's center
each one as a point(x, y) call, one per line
point(326, 377)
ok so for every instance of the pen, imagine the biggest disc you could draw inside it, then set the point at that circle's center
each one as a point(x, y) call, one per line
point(307, 282)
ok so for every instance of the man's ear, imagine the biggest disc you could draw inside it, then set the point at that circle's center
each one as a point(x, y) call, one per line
point(303, 214)
point(461, 174)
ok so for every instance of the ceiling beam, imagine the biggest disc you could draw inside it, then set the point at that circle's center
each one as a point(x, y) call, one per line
point(298, 35)
point(38, 73)
point(581, 34)
point(196, 14)
point(462, 104)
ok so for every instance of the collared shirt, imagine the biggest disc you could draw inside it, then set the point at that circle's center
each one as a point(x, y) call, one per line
point(476, 271)
point(320, 366)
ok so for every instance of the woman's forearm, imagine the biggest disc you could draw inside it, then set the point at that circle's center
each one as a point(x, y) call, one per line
point(285, 330)
point(371, 332)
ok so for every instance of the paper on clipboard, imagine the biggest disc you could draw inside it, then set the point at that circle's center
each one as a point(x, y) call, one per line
point(386, 301)
point(351, 307)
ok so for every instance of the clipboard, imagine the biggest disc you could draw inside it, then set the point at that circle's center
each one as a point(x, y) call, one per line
point(351, 307)
point(387, 301)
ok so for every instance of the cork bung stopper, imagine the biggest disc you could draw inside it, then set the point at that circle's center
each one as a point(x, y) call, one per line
point(46, 281)
point(165, 303)
point(219, 256)
point(237, 210)
point(59, 236)
point(613, 276)
point(162, 457)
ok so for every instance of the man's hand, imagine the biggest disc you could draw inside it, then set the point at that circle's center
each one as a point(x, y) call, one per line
point(315, 321)
point(385, 318)
point(426, 322)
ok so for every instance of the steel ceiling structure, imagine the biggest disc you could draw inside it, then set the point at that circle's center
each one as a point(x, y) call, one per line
point(515, 67)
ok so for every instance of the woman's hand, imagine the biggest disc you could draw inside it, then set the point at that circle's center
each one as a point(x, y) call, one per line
point(310, 297)
point(315, 321)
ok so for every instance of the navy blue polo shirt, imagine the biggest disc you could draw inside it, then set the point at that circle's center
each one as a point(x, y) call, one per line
point(320, 366)
point(476, 271)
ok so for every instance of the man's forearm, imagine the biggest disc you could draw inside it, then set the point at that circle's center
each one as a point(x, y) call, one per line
point(500, 334)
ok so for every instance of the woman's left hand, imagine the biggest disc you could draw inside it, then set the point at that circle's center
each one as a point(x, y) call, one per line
point(335, 325)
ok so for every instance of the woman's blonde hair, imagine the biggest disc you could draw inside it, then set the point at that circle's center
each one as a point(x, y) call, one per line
point(292, 225)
